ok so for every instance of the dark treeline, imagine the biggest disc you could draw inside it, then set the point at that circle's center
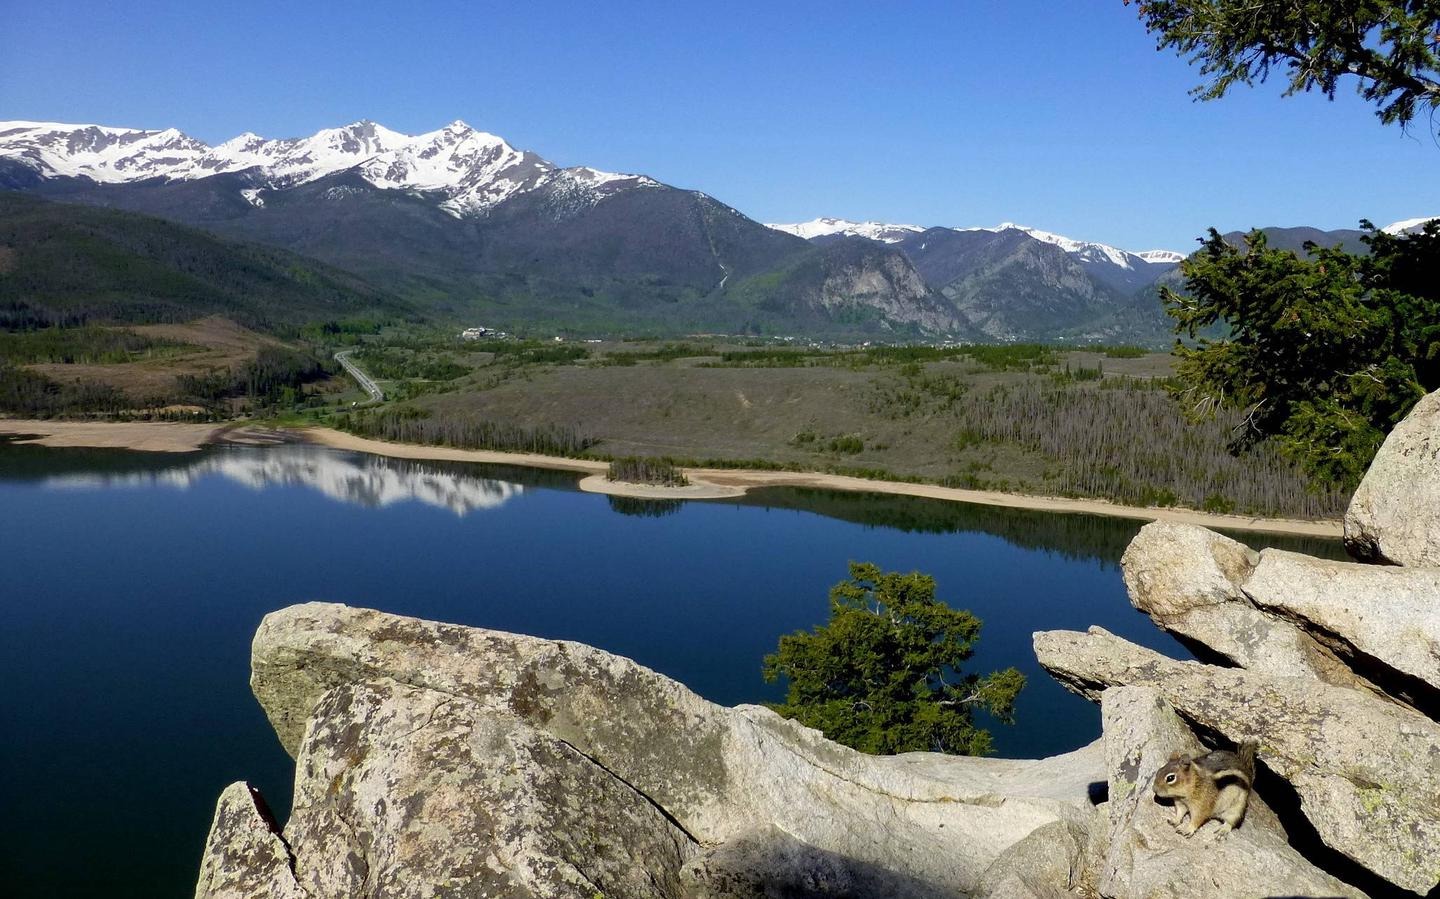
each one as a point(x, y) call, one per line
point(412, 425)
point(642, 470)
point(520, 352)
point(1131, 443)
point(16, 315)
point(85, 344)
point(347, 331)
point(275, 376)
point(70, 264)
point(33, 395)
point(999, 357)
point(1073, 536)
point(665, 353)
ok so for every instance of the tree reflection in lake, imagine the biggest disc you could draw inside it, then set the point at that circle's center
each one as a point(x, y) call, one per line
point(645, 508)
point(1072, 536)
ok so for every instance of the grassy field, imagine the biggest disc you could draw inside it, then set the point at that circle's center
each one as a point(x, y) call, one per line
point(1024, 419)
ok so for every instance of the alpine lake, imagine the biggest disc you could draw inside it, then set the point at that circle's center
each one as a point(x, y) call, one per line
point(131, 585)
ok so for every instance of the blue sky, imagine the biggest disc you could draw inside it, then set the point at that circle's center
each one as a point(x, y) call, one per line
point(1058, 115)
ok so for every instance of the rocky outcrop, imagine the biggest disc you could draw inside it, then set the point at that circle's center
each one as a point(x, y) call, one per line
point(1281, 613)
point(426, 750)
point(1367, 771)
point(1144, 856)
point(720, 773)
point(1333, 667)
point(1049, 862)
point(1394, 515)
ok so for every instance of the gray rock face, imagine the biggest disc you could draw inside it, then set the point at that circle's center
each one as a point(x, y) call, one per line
point(1367, 771)
point(244, 856)
point(1389, 614)
point(1048, 862)
point(1146, 857)
point(722, 775)
point(408, 792)
point(1394, 515)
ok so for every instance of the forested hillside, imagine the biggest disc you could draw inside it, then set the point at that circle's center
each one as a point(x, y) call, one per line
point(63, 264)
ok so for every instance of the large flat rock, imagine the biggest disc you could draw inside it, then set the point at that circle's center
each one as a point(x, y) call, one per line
point(721, 774)
point(1394, 515)
point(1367, 771)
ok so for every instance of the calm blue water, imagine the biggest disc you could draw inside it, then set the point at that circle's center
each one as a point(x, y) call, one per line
point(131, 584)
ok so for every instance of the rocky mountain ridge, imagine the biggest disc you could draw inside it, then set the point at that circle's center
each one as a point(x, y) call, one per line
point(466, 227)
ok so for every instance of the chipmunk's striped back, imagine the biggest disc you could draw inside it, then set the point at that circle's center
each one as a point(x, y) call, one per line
point(1215, 785)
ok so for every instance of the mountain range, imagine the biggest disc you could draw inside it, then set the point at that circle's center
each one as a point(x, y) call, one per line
point(463, 226)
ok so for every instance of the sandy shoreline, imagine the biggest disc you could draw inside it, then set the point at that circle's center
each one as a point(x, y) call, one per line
point(715, 483)
point(151, 436)
point(705, 483)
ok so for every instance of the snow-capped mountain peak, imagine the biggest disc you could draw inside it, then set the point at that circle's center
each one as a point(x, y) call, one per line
point(825, 227)
point(471, 170)
point(98, 152)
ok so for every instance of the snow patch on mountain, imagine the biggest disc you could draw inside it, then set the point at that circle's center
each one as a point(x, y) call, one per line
point(825, 227)
point(1089, 251)
point(1161, 257)
point(471, 171)
point(1407, 225)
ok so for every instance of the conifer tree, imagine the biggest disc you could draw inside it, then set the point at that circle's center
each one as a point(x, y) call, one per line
point(884, 674)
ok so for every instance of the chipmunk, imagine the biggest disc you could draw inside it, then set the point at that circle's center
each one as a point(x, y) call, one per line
point(1215, 785)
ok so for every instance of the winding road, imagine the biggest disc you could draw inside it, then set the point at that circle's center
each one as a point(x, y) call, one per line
point(367, 383)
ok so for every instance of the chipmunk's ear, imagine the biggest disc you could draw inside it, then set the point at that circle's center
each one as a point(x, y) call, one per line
point(1176, 756)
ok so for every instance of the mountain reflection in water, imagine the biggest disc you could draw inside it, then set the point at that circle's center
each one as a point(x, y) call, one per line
point(363, 480)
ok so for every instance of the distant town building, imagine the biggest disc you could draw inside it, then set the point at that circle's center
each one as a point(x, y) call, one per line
point(476, 333)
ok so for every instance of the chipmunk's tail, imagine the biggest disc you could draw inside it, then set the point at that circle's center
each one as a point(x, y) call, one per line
point(1245, 753)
